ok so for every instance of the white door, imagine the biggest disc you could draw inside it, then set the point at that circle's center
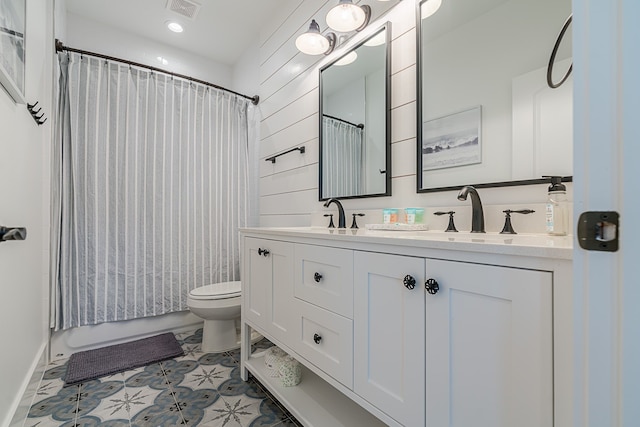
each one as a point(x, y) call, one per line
point(607, 177)
point(389, 335)
point(489, 346)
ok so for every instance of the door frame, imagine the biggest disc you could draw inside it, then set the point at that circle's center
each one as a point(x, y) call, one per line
point(606, 143)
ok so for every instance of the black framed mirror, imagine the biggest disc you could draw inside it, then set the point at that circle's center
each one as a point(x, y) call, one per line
point(355, 117)
point(486, 115)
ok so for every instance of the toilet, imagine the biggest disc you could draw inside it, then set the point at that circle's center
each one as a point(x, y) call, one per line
point(219, 305)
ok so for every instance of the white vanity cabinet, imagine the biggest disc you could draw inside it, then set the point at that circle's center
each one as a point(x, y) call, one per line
point(268, 285)
point(490, 347)
point(323, 306)
point(480, 344)
point(389, 335)
point(489, 355)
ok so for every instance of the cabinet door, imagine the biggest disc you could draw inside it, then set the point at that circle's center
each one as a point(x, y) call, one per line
point(389, 335)
point(489, 346)
point(268, 286)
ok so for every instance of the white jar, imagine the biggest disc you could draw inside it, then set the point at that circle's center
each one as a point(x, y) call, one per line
point(273, 357)
point(290, 372)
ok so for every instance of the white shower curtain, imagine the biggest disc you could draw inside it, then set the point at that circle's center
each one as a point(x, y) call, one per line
point(342, 154)
point(150, 184)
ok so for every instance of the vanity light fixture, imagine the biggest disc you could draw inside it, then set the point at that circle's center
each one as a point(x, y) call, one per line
point(430, 7)
point(346, 16)
point(315, 43)
point(347, 59)
point(377, 40)
point(174, 26)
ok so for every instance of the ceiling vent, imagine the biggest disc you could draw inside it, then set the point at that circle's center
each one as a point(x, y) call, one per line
point(187, 8)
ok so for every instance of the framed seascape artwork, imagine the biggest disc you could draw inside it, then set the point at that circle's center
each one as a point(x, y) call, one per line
point(453, 140)
point(12, 47)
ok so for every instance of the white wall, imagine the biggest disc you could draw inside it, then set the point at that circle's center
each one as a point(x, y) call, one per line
point(347, 102)
point(23, 198)
point(375, 133)
point(289, 93)
point(94, 36)
point(60, 19)
point(245, 74)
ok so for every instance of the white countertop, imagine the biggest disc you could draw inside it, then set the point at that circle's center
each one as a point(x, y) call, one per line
point(531, 245)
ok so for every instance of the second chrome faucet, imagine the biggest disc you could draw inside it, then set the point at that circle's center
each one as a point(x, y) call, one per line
point(477, 214)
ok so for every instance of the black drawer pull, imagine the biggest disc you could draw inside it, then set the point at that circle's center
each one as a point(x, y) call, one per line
point(409, 282)
point(317, 277)
point(263, 252)
point(317, 338)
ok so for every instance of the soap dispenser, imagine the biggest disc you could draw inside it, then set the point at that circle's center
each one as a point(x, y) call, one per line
point(557, 210)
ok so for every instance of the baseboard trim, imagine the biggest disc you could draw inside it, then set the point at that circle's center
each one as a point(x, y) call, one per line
point(29, 388)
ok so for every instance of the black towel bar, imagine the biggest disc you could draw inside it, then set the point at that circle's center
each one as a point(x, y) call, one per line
point(272, 159)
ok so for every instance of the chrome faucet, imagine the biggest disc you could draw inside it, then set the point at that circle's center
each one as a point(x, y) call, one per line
point(342, 223)
point(477, 215)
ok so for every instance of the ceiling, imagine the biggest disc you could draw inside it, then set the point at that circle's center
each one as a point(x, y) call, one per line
point(221, 31)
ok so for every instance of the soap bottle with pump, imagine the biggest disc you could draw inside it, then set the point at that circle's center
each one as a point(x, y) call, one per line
point(557, 209)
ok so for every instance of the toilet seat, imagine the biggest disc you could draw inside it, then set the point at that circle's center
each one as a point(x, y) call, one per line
point(216, 291)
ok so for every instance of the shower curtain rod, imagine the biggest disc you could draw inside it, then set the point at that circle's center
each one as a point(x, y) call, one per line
point(361, 126)
point(60, 47)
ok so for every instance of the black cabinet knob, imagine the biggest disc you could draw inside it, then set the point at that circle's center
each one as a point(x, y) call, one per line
point(317, 277)
point(409, 282)
point(432, 286)
point(263, 252)
point(317, 338)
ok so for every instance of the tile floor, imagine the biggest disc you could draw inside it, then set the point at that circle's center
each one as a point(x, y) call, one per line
point(198, 389)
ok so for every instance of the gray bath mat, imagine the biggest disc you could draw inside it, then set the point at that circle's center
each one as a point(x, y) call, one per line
point(91, 364)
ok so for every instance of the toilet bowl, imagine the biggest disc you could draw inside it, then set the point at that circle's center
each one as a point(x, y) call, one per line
point(219, 305)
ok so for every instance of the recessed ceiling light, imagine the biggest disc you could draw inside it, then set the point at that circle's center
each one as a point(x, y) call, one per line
point(174, 26)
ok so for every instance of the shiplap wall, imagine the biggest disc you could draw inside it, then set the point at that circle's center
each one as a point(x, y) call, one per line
point(289, 108)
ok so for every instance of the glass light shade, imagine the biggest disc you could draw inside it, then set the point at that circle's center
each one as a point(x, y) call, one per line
point(312, 42)
point(377, 40)
point(346, 16)
point(347, 59)
point(429, 7)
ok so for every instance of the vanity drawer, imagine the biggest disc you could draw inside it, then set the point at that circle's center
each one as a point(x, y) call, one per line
point(324, 277)
point(326, 340)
